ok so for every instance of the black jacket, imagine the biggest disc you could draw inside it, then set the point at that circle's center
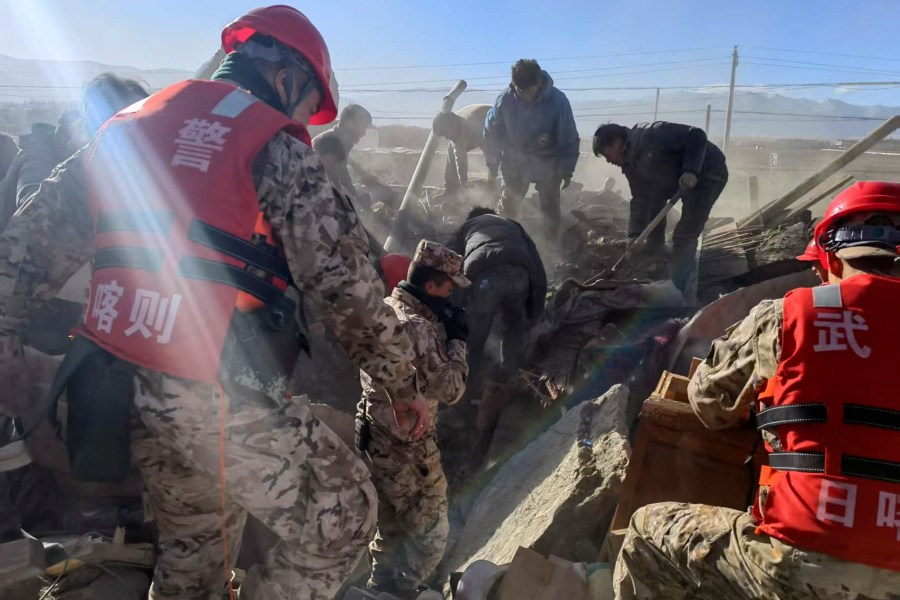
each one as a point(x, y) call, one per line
point(657, 154)
point(490, 241)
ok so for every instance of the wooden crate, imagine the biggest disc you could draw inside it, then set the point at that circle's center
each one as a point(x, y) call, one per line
point(671, 387)
point(676, 458)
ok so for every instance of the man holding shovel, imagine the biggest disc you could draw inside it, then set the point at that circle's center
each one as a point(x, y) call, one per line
point(659, 159)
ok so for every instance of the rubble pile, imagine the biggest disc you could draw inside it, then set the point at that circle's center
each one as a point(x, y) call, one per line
point(557, 494)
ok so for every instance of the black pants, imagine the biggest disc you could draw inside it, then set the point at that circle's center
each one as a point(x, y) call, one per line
point(695, 208)
point(497, 296)
point(515, 186)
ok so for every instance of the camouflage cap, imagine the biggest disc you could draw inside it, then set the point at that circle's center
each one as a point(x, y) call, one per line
point(441, 258)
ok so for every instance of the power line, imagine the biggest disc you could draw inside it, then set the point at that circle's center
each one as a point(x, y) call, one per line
point(820, 69)
point(506, 77)
point(510, 61)
point(825, 53)
point(754, 86)
point(614, 74)
point(802, 62)
point(810, 117)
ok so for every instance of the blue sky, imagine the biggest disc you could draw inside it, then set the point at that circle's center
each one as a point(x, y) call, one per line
point(630, 43)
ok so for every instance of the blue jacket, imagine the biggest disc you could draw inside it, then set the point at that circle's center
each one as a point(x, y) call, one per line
point(538, 139)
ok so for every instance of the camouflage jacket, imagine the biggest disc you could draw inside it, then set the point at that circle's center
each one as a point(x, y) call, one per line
point(739, 363)
point(441, 365)
point(50, 237)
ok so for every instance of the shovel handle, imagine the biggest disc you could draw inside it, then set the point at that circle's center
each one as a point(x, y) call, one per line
point(659, 218)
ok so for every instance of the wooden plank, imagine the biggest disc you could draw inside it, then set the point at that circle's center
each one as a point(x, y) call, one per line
point(611, 546)
point(695, 363)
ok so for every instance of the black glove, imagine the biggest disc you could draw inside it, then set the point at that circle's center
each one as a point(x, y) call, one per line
point(456, 325)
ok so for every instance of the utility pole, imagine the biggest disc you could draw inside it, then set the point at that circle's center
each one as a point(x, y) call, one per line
point(656, 106)
point(734, 64)
point(708, 115)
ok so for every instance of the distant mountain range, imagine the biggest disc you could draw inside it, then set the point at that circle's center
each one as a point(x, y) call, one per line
point(756, 114)
point(25, 79)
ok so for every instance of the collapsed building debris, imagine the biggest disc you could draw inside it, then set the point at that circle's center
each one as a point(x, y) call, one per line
point(556, 492)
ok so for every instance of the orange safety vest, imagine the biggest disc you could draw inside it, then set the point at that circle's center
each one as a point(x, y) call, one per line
point(179, 239)
point(833, 486)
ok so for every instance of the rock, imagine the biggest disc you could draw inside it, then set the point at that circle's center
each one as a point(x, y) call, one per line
point(775, 254)
point(562, 488)
point(113, 582)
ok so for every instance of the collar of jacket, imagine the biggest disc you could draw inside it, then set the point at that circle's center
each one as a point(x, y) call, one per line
point(631, 145)
point(422, 303)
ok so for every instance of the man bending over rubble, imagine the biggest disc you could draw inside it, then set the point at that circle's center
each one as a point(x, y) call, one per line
point(658, 159)
point(530, 137)
point(465, 130)
point(412, 489)
point(815, 369)
point(350, 128)
point(508, 288)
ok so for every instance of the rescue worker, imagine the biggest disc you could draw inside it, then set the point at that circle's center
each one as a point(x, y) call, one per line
point(465, 131)
point(609, 195)
point(40, 152)
point(659, 159)
point(412, 490)
point(530, 137)
point(333, 154)
point(350, 128)
point(197, 208)
point(811, 257)
point(105, 95)
point(815, 367)
point(509, 286)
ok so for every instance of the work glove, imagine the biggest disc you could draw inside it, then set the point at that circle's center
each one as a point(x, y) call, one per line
point(687, 181)
point(567, 179)
point(457, 326)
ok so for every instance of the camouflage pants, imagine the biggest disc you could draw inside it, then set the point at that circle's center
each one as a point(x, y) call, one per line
point(281, 464)
point(412, 512)
point(676, 551)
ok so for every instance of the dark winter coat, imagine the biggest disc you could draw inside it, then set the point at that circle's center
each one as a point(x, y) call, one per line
point(655, 156)
point(490, 241)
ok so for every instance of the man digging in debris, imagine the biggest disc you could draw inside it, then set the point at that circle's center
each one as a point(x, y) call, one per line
point(508, 290)
point(350, 128)
point(174, 200)
point(412, 490)
point(658, 159)
point(814, 367)
point(530, 137)
point(465, 130)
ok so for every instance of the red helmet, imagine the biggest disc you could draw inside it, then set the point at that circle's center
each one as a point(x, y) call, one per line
point(395, 267)
point(290, 27)
point(861, 197)
point(811, 253)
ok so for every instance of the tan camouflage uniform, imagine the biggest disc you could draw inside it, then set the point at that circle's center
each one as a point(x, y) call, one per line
point(675, 551)
point(412, 490)
point(281, 464)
